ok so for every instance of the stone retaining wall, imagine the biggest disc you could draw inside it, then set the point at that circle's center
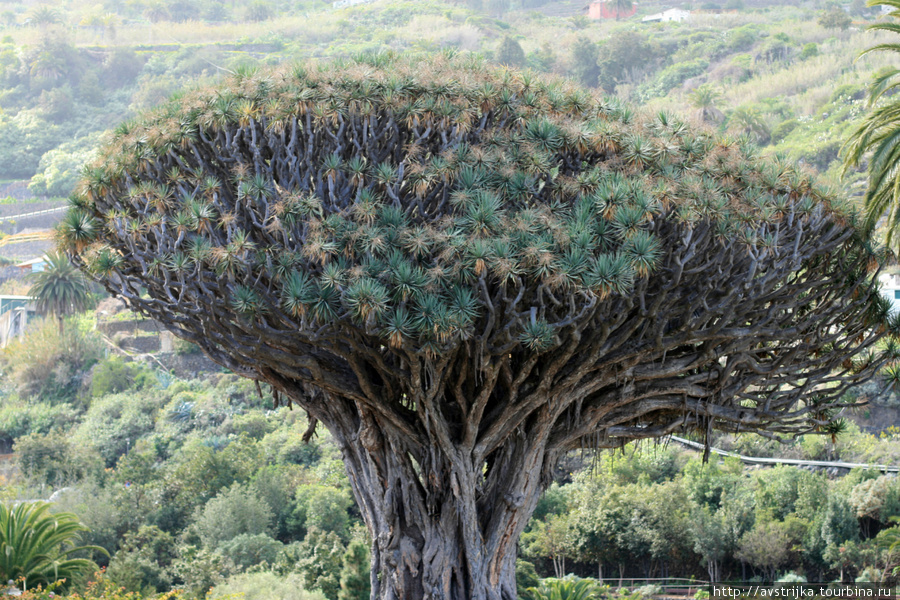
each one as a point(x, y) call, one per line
point(110, 328)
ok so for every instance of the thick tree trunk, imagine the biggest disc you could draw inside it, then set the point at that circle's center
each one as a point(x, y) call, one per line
point(444, 525)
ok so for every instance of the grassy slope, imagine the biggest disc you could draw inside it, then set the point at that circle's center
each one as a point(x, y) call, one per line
point(802, 92)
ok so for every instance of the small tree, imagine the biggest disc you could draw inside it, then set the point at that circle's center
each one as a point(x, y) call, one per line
point(703, 98)
point(835, 18)
point(466, 273)
point(621, 7)
point(584, 61)
point(260, 10)
point(889, 542)
point(60, 289)
point(623, 57)
point(44, 16)
point(248, 550)
point(156, 11)
point(319, 559)
point(554, 540)
point(321, 507)
point(144, 561)
point(748, 120)
point(355, 575)
point(765, 547)
point(496, 7)
point(710, 536)
point(510, 53)
point(234, 512)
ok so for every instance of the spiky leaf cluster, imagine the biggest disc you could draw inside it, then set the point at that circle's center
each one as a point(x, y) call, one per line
point(431, 207)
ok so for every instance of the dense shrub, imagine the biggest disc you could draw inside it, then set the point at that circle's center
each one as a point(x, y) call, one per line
point(248, 550)
point(285, 446)
point(355, 573)
point(114, 375)
point(321, 507)
point(319, 559)
point(143, 563)
point(276, 486)
point(672, 77)
point(809, 50)
point(54, 459)
point(200, 569)
point(121, 67)
point(253, 425)
point(24, 138)
point(114, 423)
point(197, 472)
point(237, 510)
point(263, 586)
point(49, 364)
point(742, 38)
point(59, 169)
point(781, 131)
point(19, 418)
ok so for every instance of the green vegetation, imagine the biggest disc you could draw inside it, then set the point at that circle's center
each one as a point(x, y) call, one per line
point(879, 135)
point(61, 86)
point(631, 512)
point(49, 362)
point(197, 484)
point(184, 483)
point(36, 546)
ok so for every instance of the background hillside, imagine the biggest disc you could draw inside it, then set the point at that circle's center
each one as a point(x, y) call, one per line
point(786, 75)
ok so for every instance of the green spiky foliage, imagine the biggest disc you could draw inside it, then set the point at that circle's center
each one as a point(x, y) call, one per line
point(567, 588)
point(465, 273)
point(875, 145)
point(36, 546)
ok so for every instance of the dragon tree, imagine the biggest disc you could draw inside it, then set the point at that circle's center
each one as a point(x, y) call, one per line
point(465, 272)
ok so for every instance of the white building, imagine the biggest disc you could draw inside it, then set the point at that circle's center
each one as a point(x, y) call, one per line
point(673, 14)
point(890, 289)
point(15, 312)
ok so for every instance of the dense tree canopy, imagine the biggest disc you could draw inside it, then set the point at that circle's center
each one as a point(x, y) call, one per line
point(465, 273)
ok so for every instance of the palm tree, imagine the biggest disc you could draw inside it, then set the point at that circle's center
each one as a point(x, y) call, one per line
point(44, 16)
point(156, 12)
point(60, 289)
point(889, 539)
point(880, 135)
point(704, 99)
point(748, 120)
point(35, 544)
